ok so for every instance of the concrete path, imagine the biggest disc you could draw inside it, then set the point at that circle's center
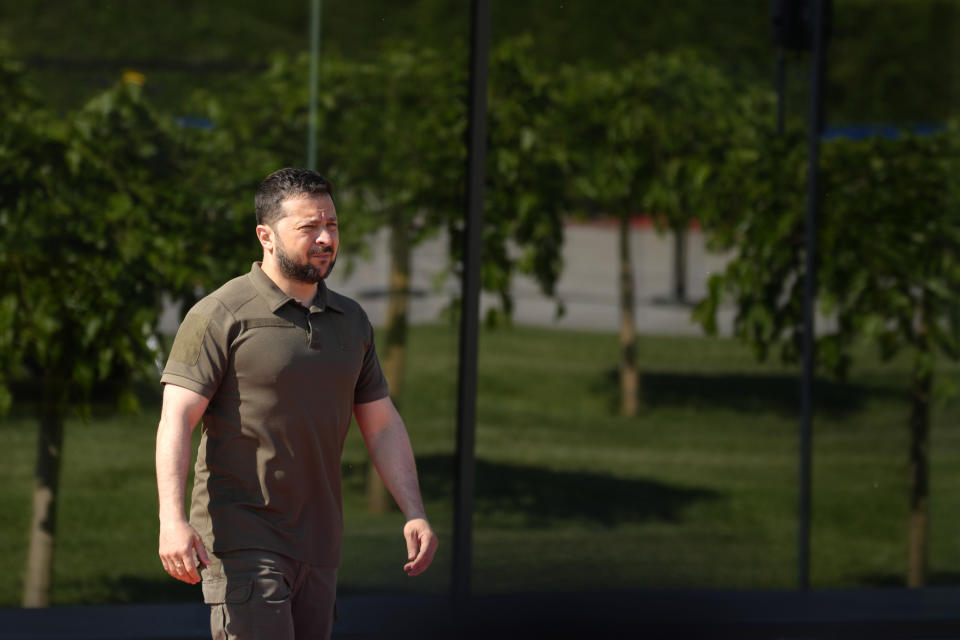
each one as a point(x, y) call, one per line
point(768, 615)
point(588, 286)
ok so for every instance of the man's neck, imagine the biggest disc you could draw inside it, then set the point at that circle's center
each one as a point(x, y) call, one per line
point(303, 292)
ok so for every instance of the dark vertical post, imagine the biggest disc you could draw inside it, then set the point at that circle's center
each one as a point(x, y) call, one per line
point(470, 305)
point(817, 67)
point(780, 90)
point(314, 79)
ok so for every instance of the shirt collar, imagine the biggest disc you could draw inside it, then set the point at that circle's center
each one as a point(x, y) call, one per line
point(276, 298)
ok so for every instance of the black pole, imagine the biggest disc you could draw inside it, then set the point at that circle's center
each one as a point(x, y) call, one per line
point(314, 73)
point(470, 304)
point(817, 68)
point(780, 90)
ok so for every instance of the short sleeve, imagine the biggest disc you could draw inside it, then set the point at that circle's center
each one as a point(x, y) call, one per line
point(201, 350)
point(371, 383)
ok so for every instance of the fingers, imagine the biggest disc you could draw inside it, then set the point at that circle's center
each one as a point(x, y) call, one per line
point(182, 552)
point(201, 550)
point(197, 557)
point(183, 568)
point(419, 564)
point(189, 569)
point(413, 543)
point(422, 551)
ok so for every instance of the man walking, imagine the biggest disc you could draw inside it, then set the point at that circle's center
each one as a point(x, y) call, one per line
point(275, 364)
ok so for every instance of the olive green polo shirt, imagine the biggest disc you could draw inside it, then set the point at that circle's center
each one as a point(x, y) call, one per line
point(282, 381)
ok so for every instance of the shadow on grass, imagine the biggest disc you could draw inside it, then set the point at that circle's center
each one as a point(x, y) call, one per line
point(935, 579)
point(740, 392)
point(135, 589)
point(530, 496)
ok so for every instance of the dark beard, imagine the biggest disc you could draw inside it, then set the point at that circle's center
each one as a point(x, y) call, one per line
point(304, 272)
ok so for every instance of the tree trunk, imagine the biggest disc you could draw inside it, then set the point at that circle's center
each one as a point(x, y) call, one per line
point(919, 477)
point(395, 349)
point(43, 527)
point(629, 382)
point(680, 242)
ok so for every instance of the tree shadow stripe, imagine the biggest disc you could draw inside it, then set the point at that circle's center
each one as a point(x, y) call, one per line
point(535, 497)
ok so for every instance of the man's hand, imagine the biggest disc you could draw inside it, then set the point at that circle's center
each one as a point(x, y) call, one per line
point(422, 544)
point(180, 550)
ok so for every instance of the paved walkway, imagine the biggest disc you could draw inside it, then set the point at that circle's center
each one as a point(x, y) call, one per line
point(588, 285)
point(877, 614)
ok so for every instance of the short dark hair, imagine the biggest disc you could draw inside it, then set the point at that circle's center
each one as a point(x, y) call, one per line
point(283, 184)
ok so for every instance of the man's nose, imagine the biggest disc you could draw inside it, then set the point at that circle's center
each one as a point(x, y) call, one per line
point(323, 237)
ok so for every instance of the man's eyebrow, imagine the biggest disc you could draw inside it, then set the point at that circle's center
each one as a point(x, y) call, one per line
point(317, 215)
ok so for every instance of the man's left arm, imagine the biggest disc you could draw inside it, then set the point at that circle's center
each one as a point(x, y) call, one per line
point(389, 445)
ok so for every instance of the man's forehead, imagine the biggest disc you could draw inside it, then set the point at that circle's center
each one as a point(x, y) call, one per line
point(310, 206)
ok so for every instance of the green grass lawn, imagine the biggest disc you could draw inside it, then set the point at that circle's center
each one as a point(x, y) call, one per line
point(698, 491)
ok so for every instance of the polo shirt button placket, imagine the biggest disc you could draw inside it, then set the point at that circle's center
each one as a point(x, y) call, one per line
point(315, 337)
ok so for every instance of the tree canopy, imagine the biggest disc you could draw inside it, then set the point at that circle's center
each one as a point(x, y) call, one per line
point(95, 223)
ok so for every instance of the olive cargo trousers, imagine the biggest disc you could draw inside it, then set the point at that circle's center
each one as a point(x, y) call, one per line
point(255, 594)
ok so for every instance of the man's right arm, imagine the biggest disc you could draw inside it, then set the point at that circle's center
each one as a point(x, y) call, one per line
point(180, 545)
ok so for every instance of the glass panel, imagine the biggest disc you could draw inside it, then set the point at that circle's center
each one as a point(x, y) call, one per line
point(615, 129)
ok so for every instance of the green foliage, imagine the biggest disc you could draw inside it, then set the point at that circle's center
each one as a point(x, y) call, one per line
point(388, 148)
point(391, 138)
point(95, 227)
point(652, 137)
point(397, 137)
point(897, 284)
point(600, 107)
point(763, 181)
point(525, 200)
point(888, 246)
point(112, 206)
point(697, 115)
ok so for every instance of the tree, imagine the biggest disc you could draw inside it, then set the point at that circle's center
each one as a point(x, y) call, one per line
point(647, 138)
point(93, 226)
point(699, 112)
point(889, 267)
point(608, 123)
point(526, 195)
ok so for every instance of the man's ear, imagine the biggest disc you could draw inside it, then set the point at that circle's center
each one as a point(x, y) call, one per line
point(265, 236)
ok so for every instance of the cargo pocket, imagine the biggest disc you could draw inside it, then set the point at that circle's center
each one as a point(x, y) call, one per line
point(227, 591)
point(273, 589)
point(229, 617)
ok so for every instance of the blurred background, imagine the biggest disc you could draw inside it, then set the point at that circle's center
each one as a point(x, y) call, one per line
point(646, 184)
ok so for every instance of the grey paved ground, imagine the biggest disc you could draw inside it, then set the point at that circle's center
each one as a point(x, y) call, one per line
point(876, 614)
point(587, 286)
